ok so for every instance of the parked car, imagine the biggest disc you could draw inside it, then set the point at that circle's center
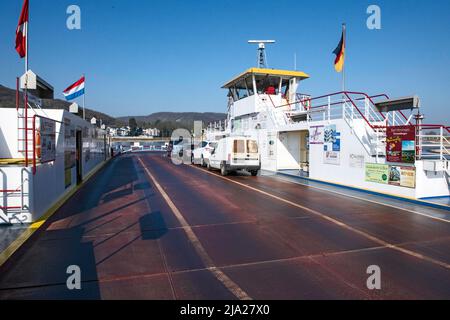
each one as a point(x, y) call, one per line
point(176, 148)
point(201, 154)
point(235, 153)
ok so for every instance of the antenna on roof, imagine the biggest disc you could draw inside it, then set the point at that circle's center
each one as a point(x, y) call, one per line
point(261, 53)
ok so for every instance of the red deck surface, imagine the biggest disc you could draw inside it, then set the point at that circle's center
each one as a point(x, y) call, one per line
point(129, 244)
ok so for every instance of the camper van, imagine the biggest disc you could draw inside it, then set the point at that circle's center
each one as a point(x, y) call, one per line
point(235, 153)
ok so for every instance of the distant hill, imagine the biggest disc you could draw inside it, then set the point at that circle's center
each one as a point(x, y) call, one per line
point(8, 100)
point(166, 121)
point(177, 117)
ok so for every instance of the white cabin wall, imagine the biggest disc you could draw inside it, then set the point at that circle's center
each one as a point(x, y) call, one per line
point(47, 186)
point(343, 173)
point(244, 106)
point(267, 144)
point(430, 184)
point(288, 150)
point(8, 134)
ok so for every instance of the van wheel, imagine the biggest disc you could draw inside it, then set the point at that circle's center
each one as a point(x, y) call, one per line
point(223, 170)
point(202, 162)
point(254, 173)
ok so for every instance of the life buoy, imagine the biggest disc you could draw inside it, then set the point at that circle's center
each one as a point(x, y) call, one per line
point(38, 144)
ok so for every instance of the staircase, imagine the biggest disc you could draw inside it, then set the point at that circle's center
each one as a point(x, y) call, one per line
point(368, 126)
point(25, 136)
point(277, 116)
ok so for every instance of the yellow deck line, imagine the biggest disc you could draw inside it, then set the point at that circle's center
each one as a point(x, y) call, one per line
point(17, 243)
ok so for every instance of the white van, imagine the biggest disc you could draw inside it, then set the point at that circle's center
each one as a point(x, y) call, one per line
point(235, 153)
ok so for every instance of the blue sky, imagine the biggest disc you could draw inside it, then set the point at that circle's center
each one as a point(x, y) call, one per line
point(142, 56)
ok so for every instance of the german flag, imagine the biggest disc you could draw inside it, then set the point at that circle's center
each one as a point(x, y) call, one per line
point(340, 52)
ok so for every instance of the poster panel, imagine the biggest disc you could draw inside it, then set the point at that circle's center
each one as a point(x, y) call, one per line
point(402, 176)
point(331, 145)
point(316, 134)
point(47, 132)
point(356, 161)
point(378, 173)
point(400, 144)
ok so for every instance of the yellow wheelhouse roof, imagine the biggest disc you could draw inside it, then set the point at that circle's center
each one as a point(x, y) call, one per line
point(285, 74)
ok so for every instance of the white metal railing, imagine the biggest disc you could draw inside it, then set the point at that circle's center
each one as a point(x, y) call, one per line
point(434, 145)
point(376, 145)
point(19, 212)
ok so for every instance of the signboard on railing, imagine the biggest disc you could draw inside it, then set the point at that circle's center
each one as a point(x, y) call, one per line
point(400, 144)
point(47, 145)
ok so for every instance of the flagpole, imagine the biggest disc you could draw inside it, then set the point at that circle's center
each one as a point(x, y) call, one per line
point(26, 47)
point(84, 98)
point(345, 45)
point(26, 90)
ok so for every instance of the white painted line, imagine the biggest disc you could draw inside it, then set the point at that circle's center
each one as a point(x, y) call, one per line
point(338, 223)
point(206, 259)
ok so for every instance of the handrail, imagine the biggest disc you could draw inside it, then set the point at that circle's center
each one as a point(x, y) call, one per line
point(334, 94)
point(433, 126)
point(34, 144)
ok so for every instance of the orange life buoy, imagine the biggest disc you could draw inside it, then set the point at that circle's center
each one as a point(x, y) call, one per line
point(38, 144)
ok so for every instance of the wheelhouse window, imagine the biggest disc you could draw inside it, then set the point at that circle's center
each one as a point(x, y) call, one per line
point(266, 84)
point(242, 89)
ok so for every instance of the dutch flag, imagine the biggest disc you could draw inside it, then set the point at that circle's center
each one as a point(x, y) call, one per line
point(75, 90)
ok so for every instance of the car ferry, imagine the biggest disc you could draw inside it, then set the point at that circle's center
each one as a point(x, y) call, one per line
point(355, 139)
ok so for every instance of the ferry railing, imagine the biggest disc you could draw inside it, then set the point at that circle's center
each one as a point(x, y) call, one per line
point(362, 101)
point(396, 120)
point(335, 101)
point(433, 143)
point(7, 194)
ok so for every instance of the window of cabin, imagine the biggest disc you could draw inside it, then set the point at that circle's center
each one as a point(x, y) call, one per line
point(285, 88)
point(249, 84)
point(241, 90)
point(266, 84)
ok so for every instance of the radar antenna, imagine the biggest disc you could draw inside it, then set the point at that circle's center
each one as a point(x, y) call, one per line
point(261, 59)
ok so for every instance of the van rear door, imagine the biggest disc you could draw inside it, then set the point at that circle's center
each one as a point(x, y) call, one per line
point(252, 152)
point(239, 151)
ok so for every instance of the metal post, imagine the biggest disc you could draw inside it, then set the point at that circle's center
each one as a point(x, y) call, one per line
point(376, 146)
point(366, 108)
point(26, 45)
point(329, 108)
point(17, 93)
point(34, 144)
point(26, 120)
point(84, 98)
point(441, 152)
point(344, 29)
